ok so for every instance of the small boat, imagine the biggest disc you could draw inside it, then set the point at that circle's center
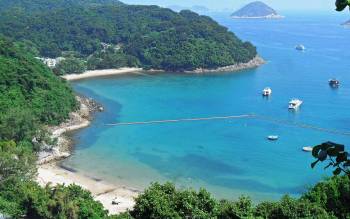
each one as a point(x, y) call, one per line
point(334, 82)
point(307, 149)
point(294, 104)
point(272, 137)
point(300, 47)
point(267, 92)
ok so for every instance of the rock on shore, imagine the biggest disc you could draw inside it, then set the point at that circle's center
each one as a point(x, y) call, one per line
point(256, 62)
point(77, 120)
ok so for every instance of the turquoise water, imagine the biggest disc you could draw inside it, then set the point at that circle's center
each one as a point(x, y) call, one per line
point(228, 157)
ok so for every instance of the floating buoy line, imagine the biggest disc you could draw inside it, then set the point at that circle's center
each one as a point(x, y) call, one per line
point(232, 117)
point(183, 120)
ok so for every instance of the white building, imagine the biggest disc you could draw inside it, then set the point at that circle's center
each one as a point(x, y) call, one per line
point(51, 62)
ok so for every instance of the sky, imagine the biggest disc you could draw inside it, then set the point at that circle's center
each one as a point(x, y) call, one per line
point(284, 5)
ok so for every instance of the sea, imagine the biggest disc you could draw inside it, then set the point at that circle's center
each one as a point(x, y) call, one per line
point(229, 157)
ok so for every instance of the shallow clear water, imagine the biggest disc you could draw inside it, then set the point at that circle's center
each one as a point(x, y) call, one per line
point(228, 157)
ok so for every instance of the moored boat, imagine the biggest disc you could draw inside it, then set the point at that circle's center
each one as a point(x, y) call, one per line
point(267, 92)
point(300, 47)
point(272, 137)
point(334, 82)
point(307, 149)
point(294, 104)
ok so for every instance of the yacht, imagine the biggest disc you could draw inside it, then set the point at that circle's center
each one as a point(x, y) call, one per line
point(300, 47)
point(267, 92)
point(295, 104)
point(272, 137)
point(334, 82)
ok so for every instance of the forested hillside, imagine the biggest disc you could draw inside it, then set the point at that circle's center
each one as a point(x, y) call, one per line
point(143, 36)
point(31, 95)
point(31, 6)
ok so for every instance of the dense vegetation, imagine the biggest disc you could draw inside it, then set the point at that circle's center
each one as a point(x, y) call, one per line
point(31, 95)
point(31, 98)
point(144, 36)
point(328, 199)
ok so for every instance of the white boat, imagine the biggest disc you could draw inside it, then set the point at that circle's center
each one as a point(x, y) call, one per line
point(267, 92)
point(300, 47)
point(272, 137)
point(307, 149)
point(295, 104)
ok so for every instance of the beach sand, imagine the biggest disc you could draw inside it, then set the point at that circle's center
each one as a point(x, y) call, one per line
point(102, 191)
point(100, 73)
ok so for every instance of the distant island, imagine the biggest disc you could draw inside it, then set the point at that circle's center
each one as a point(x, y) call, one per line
point(256, 10)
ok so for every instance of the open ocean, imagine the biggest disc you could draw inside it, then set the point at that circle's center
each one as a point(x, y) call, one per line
point(228, 157)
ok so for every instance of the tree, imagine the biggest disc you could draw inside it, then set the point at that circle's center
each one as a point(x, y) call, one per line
point(289, 208)
point(165, 201)
point(27, 199)
point(243, 208)
point(332, 194)
point(16, 161)
point(70, 65)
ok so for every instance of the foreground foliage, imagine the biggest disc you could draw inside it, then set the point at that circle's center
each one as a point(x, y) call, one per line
point(27, 198)
point(164, 201)
point(335, 155)
point(342, 4)
point(328, 199)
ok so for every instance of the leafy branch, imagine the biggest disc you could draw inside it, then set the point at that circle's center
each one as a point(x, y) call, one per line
point(335, 154)
point(342, 4)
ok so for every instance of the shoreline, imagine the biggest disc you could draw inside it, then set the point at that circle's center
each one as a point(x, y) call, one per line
point(272, 17)
point(114, 197)
point(100, 73)
point(254, 63)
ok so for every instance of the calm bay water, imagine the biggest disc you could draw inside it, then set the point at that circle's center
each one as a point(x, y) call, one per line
point(228, 157)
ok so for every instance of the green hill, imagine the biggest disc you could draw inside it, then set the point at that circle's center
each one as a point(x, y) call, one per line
point(39, 5)
point(31, 94)
point(144, 36)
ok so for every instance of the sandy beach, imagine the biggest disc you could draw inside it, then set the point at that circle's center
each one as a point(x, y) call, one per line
point(100, 73)
point(115, 198)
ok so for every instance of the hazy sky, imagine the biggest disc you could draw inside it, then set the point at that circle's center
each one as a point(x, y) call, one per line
point(234, 4)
